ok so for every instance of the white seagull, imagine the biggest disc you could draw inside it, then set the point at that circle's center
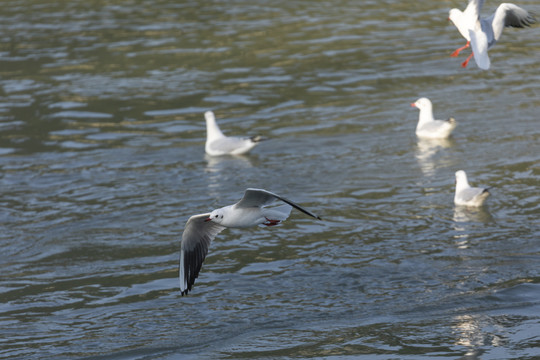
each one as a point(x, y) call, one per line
point(218, 144)
point(201, 229)
point(482, 34)
point(427, 126)
point(467, 195)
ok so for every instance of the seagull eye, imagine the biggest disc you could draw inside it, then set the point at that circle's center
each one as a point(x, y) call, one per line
point(216, 216)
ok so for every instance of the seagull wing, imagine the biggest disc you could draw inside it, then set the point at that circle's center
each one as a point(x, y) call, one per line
point(510, 15)
point(437, 125)
point(479, 44)
point(227, 145)
point(259, 197)
point(197, 236)
point(468, 19)
point(472, 11)
point(470, 193)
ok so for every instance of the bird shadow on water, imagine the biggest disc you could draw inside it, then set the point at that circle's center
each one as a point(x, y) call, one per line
point(426, 152)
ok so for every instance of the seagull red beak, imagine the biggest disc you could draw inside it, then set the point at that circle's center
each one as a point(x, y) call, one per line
point(413, 104)
point(207, 219)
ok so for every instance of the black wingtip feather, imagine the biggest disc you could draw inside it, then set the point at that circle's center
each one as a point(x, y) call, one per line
point(193, 264)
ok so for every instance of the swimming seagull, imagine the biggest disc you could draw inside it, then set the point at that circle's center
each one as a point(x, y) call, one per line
point(482, 34)
point(201, 229)
point(218, 144)
point(467, 195)
point(427, 126)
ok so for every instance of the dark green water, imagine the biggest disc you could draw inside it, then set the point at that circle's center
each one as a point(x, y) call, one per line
point(102, 162)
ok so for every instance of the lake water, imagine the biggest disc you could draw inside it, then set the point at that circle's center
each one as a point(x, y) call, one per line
point(102, 162)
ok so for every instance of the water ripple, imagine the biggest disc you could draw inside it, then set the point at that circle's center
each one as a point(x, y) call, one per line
point(102, 162)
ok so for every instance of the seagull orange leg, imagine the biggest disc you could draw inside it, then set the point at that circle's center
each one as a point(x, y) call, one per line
point(466, 62)
point(457, 51)
point(271, 222)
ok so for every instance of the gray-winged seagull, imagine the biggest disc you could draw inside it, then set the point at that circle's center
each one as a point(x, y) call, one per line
point(218, 144)
point(467, 195)
point(201, 229)
point(482, 34)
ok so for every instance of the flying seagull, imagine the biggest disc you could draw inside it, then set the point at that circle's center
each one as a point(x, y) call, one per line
point(482, 34)
point(201, 229)
point(218, 144)
point(467, 195)
point(427, 126)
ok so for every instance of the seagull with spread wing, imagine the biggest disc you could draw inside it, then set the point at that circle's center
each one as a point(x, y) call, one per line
point(201, 229)
point(482, 34)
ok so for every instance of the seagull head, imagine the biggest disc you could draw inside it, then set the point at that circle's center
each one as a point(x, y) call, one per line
point(454, 14)
point(422, 103)
point(215, 216)
point(209, 116)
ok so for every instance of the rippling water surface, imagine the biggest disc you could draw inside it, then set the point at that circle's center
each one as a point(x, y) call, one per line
point(102, 162)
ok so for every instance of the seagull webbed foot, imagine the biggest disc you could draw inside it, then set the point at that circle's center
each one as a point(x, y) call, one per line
point(466, 62)
point(270, 222)
point(457, 51)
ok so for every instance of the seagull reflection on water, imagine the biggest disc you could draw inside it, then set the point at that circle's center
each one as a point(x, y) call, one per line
point(472, 214)
point(224, 168)
point(473, 334)
point(218, 163)
point(463, 217)
point(426, 151)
